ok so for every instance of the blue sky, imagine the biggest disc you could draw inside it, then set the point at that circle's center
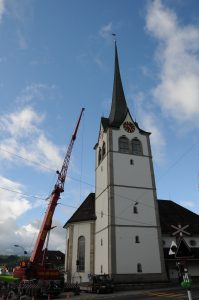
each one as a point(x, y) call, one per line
point(57, 57)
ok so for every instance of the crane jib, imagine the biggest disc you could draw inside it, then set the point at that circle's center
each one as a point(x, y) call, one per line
point(55, 195)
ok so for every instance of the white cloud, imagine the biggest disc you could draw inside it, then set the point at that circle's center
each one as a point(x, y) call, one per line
point(178, 89)
point(23, 136)
point(12, 207)
point(35, 91)
point(20, 122)
point(150, 122)
point(106, 31)
point(2, 8)
point(26, 235)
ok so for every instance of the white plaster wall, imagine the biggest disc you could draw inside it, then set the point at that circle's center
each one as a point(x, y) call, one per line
point(81, 229)
point(136, 175)
point(101, 209)
point(101, 177)
point(125, 199)
point(101, 252)
point(129, 253)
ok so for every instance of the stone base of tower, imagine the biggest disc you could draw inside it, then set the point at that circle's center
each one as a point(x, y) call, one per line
point(139, 278)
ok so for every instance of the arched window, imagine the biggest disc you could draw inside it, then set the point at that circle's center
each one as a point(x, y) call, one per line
point(81, 254)
point(139, 268)
point(123, 144)
point(103, 149)
point(99, 156)
point(136, 147)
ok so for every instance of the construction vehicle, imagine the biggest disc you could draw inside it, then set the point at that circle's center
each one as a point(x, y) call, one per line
point(98, 284)
point(35, 275)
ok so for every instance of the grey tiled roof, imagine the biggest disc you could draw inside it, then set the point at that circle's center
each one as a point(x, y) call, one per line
point(172, 213)
point(85, 212)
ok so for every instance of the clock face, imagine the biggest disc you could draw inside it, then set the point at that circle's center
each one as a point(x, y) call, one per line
point(129, 127)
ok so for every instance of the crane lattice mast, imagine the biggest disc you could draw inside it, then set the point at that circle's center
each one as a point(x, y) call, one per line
point(55, 195)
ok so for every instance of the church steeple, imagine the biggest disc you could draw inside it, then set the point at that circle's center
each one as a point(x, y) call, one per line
point(118, 107)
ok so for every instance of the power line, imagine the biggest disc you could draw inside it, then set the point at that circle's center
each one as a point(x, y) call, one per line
point(29, 160)
point(91, 185)
point(23, 194)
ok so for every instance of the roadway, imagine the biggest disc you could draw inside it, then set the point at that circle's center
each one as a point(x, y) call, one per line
point(159, 294)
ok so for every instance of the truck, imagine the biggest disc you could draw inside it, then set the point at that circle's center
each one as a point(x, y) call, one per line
point(98, 284)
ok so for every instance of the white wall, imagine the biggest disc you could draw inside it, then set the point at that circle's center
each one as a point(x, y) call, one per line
point(101, 252)
point(129, 253)
point(81, 229)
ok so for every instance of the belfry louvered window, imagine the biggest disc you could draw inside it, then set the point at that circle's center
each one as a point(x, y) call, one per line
point(123, 144)
point(136, 147)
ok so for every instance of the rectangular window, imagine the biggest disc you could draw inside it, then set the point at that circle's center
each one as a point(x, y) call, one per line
point(101, 269)
point(139, 268)
point(137, 239)
point(131, 162)
point(101, 242)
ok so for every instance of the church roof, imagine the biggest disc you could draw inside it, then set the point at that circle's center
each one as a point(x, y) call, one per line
point(119, 107)
point(85, 212)
point(172, 213)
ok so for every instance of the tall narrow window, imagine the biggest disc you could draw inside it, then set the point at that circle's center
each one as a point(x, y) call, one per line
point(103, 149)
point(137, 239)
point(99, 156)
point(123, 144)
point(101, 269)
point(136, 147)
point(81, 254)
point(135, 209)
point(139, 268)
point(67, 262)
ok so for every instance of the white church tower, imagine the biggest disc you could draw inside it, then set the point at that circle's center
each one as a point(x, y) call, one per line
point(128, 243)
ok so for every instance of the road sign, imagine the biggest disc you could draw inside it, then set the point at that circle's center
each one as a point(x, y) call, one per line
point(180, 230)
point(183, 250)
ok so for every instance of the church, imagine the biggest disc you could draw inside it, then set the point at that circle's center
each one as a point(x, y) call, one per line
point(123, 229)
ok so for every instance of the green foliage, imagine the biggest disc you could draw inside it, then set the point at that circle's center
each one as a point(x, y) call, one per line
point(8, 278)
point(10, 261)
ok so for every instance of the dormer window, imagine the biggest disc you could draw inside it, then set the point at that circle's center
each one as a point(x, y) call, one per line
point(123, 144)
point(136, 147)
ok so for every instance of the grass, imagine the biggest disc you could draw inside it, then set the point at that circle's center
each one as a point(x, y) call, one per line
point(8, 278)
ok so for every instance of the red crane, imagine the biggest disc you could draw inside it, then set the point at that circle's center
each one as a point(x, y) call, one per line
point(34, 268)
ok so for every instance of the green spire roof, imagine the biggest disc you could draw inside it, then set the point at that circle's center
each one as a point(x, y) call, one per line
point(118, 107)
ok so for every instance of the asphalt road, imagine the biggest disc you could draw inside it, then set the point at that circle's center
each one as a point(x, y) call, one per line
point(161, 294)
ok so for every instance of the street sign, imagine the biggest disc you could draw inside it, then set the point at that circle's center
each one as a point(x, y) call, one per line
point(183, 250)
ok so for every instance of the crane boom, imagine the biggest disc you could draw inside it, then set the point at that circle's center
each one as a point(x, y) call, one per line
point(55, 195)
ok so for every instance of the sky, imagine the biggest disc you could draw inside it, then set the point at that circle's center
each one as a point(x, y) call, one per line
point(57, 57)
